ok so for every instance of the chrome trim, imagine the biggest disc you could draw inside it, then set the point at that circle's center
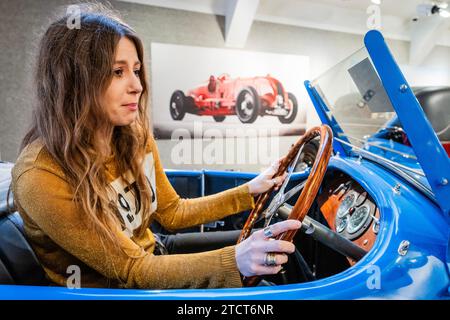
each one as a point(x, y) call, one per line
point(404, 155)
point(353, 230)
point(418, 172)
point(392, 166)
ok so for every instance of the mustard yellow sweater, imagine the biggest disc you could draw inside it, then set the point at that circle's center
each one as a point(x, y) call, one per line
point(57, 230)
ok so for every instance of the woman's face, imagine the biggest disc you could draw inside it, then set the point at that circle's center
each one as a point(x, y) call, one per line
point(122, 96)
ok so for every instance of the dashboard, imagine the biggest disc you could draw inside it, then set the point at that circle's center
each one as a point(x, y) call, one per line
point(349, 210)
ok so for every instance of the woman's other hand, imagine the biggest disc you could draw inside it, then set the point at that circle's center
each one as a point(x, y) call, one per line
point(260, 254)
point(264, 181)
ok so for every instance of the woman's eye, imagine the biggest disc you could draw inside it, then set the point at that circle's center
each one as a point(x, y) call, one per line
point(118, 72)
point(137, 72)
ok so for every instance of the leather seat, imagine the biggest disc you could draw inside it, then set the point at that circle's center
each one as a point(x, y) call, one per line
point(18, 262)
point(435, 102)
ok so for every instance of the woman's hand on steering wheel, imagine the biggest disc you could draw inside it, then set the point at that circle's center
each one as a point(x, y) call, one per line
point(264, 181)
point(261, 254)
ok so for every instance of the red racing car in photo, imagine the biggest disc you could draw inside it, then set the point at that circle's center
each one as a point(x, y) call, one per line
point(245, 97)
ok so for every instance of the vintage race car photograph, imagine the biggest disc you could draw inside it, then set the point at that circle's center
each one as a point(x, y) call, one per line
point(370, 185)
point(247, 98)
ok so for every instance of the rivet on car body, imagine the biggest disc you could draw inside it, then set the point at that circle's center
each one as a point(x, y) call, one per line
point(403, 88)
point(403, 248)
point(396, 189)
point(444, 182)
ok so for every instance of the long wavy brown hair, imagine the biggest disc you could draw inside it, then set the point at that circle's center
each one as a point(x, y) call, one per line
point(74, 69)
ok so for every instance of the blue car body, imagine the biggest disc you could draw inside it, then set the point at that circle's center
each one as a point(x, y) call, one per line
point(410, 258)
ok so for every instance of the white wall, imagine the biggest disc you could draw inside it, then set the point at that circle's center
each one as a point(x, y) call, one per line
point(23, 22)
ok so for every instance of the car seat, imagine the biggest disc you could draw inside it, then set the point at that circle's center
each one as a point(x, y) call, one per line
point(435, 102)
point(18, 262)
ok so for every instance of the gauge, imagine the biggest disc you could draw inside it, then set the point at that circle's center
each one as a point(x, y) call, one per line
point(341, 223)
point(358, 219)
point(361, 198)
point(346, 204)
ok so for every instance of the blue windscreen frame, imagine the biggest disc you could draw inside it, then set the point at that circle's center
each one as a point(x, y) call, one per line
point(322, 110)
point(429, 151)
point(427, 147)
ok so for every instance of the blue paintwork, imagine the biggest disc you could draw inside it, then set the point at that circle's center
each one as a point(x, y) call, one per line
point(322, 110)
point(429, 151)
point(422, 273)
point(390, 155)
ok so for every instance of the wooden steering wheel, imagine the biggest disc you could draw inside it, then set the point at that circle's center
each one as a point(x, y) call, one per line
point(308, 194)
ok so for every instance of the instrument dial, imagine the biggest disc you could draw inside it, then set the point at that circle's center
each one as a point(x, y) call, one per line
point(346, 204)
point(358, 219)
point(341, 223)
point(361, 198)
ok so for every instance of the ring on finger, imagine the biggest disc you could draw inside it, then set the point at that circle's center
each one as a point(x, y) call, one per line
point(270, 260)
point(268, 232)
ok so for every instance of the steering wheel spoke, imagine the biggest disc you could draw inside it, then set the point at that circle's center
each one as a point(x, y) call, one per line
point(281, 197)
point(294, 190)
point(290, 169)
point(279, 200)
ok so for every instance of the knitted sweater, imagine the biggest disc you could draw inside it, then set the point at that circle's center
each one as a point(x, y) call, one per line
point(59, 235)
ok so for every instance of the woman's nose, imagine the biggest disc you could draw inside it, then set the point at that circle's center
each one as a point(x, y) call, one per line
point(135, 85)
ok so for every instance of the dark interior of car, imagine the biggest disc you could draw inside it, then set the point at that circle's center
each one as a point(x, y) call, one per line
point(435, 102)
point(18, 263)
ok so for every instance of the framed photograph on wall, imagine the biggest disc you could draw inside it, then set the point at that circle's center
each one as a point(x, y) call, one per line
point(235, 92)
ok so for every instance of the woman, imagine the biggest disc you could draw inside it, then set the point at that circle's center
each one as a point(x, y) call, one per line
point(89, 180)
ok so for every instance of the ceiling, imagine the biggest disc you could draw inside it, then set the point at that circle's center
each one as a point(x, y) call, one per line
point(348, 16)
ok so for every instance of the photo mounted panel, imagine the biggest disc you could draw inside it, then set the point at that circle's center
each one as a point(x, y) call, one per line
point(236, 92)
